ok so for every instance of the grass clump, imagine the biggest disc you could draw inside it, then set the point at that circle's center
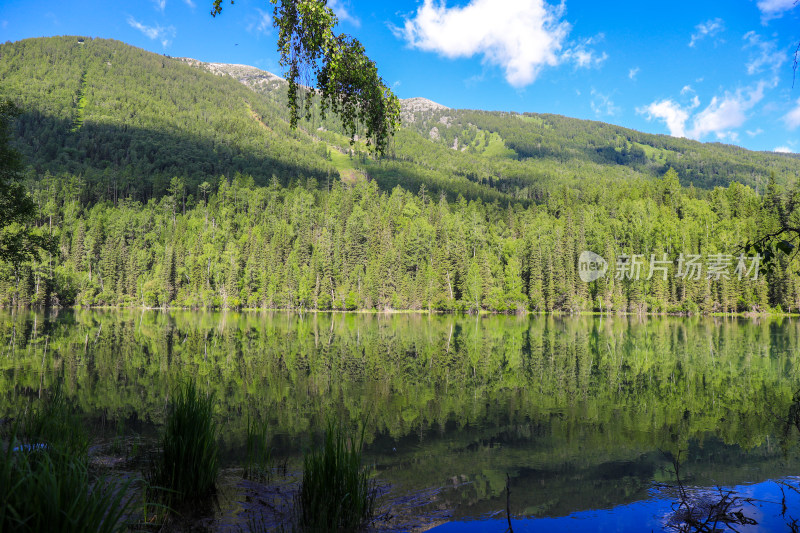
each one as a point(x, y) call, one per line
point(45, 483)
point(258, 465)
point(54, 425)
point(336, 492)
point(186, 467)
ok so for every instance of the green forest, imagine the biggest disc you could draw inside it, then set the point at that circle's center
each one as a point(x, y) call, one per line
point(166, 185)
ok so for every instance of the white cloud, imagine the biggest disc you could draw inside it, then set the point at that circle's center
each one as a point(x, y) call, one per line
point(783, 150)
point(724, 114)
point(475, 79)
point(633, 72)
point(753, 133)
point(603, 105)
point(583, 56)
point(154, 32)
point(160, 4)
point(772, 9)
point(709, 28)
point(730, 135)
point(792, 118)
point(190, 3)
point(721, 116)
point(521, 36)
point(262, 23)
point(670, 112)
point(687, 89)
point(764, 54)
point(342, 10)
point(149, 31)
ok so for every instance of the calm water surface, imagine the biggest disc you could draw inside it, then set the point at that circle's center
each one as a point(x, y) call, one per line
point(584, 414)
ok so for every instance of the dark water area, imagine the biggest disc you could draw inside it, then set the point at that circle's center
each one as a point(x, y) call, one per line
point(583, 414)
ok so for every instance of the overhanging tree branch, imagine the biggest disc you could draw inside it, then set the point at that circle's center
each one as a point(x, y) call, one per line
point(346, 79)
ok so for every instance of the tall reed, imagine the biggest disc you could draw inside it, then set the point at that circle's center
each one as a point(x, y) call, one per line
point(53, 424)
point(336, 492)
point(258, 465)
point(188, 461)
point(44, 476)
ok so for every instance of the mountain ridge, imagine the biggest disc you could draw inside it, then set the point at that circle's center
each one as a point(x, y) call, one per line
point(435, 116)
point(94, 106)
point(245, 73)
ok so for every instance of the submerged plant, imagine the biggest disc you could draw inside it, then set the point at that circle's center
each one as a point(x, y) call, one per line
point(118, 444)
point(706, 512)
point(259, 455)
point(53, 425)
point(336, 492)
point(44, 476)
point(187, 464)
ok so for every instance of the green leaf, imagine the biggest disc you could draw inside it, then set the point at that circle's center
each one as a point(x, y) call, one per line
point(785, 247)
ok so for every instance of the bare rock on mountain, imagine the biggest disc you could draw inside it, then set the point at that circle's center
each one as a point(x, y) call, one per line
point(254, 78)
point(262, 81)
point(411, 107)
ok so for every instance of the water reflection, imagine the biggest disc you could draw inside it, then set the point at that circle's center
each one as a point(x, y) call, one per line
point(582, 412)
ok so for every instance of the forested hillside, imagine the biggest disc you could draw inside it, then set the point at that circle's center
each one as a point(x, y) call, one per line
point(127, 121)
point(526, 154)
point(169, 182)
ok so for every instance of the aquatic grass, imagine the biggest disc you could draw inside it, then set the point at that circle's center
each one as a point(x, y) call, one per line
point(53, 424)
point(258, 462)
point(336, 492)
point(46, 492)
point(44, 476)
point(118, 444)
point(187, 463)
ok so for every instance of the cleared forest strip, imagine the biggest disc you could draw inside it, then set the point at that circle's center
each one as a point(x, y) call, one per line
point(80, 106)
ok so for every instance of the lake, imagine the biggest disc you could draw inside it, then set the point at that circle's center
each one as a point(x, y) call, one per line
point(583, 414)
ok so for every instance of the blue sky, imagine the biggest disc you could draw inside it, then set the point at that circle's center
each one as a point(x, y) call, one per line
point(712, 71)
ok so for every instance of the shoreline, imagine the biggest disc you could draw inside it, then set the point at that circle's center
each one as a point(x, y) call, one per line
point(482, 312)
